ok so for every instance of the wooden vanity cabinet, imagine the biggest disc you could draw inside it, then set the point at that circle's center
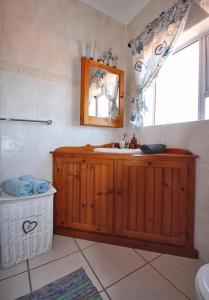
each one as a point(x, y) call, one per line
point(84, 198)
point(144, 201)
point(152, 200)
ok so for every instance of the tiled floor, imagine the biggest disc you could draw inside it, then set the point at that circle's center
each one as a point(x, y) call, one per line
point(119, 273)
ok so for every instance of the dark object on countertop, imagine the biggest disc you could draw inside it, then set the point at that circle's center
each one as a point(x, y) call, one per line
point(152, 149)
point(133, 144)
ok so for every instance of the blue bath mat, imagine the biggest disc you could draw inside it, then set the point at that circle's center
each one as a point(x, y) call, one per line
point(75, 286)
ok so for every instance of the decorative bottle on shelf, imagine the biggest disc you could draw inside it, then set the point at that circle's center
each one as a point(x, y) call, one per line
point(95, 51)
point(115, 61)
point(88, 51)
point(133, 142)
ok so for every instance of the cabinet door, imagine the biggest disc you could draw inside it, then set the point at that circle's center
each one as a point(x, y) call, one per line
point(86, 195)
point(151, 201)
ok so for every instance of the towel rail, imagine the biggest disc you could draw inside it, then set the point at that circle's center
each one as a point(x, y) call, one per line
point(48, 122)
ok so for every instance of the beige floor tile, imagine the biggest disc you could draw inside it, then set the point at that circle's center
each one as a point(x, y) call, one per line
point(61, 247)
point(13, 270)
point(50, 272)
point(14, 287)
point(111, 263)
point(148, 255)
point(144, 284)
point(180, 271)
point(84, 243)
point(104, 296)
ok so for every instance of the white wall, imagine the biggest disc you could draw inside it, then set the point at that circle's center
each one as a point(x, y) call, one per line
point(40, 48)
point(193, 136)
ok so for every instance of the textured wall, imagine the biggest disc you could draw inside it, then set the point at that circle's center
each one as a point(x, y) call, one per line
point(193, 136)
point(40, 48)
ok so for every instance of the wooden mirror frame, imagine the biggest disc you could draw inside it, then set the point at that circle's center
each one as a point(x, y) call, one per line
point(85, 119)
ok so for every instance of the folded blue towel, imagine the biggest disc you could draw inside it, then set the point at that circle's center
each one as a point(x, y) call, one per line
point(39, 186)
point(17, 187)
point(154, 148)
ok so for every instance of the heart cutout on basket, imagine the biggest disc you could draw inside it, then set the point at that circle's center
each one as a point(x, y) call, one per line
point(29, 226)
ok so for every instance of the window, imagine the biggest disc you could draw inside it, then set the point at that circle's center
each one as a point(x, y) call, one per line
point(207, 108)
point(179, 92)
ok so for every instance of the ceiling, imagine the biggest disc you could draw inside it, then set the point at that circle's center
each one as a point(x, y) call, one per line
point(121, 10)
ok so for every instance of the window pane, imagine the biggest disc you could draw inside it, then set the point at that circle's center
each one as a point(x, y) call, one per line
point(177, 87)
point(207, 108)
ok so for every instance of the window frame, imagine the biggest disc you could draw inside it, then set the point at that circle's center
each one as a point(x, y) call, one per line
point(203, 82)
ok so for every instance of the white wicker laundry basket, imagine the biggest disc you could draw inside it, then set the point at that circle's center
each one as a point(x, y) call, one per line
point(26, 226)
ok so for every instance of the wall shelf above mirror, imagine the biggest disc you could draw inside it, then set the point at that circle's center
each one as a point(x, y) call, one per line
point(102, 94)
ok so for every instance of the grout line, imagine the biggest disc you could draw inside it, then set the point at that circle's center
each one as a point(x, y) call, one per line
point(12, 275)
point(89, 265)
point(140, 255)
point(108, 296)
point(169, 281)
point(87, 246)
point(29, 278)
point(132, 272)
point(36, 72)
point(160, 254)
point(54, 260)
point(33, 268)
point(156, 257)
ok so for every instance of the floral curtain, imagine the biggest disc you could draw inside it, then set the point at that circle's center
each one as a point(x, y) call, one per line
point(150, 49)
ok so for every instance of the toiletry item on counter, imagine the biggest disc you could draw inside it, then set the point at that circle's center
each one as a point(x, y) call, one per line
point(133, 144)
point(154, 148)
point(123, 142)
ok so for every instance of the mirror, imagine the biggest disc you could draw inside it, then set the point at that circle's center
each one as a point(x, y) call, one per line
point(101, 94)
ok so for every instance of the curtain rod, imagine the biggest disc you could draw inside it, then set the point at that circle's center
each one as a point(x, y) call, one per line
point(48, 122)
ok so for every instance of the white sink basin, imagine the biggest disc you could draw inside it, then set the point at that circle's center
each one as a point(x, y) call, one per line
point(118, 151)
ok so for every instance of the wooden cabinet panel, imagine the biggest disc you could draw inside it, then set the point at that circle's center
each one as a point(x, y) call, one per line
point(153, 195)
point(151, 201)
point(85, 197)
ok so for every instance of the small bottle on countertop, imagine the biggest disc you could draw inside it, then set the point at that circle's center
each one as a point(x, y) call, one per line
point(123, 142)
point(133, 142)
